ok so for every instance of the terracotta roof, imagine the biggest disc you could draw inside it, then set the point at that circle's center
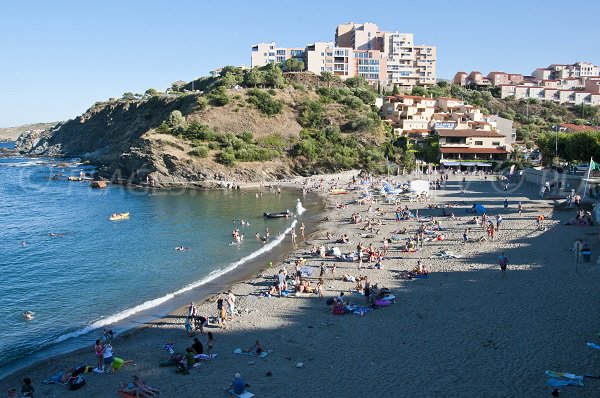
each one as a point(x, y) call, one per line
point(578, 128)
point(450, 99)
point(472, 150)
point(468, 133)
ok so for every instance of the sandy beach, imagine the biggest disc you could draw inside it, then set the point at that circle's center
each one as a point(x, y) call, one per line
point(462, 332)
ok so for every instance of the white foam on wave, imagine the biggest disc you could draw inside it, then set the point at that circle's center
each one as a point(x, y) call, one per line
point(158, 301)
point(299, 208)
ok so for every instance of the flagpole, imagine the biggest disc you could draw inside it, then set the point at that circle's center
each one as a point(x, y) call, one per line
point(588, 176)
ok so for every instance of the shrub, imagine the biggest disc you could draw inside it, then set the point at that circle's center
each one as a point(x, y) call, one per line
point(353, 102)
point(311, 114)
point(200, 152)
point(218, 97)
point(227, 158)
point(264, 102)
point(201, 102)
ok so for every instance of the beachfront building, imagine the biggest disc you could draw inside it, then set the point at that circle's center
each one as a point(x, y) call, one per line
point(562, 71)
point(361, 49)
point(480, 148)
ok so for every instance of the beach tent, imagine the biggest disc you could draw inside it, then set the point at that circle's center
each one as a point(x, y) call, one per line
point(479, 208)
point(419, 187)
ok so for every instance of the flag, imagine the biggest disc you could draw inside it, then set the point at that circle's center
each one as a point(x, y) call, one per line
point(594, 165)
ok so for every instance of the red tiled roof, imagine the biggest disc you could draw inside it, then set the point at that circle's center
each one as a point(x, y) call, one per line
point(472, 150)
point(578, 128)
point(468, 133)
point(450, 99)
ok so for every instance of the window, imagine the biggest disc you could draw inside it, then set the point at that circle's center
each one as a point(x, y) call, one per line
point(496, 143)
point(478, 142)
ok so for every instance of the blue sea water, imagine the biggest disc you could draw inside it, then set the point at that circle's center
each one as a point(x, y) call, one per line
point(95, 271)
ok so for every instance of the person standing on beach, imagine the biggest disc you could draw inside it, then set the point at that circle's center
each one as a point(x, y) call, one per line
point(490, 231)
point(293, 235)
point(27, 389)
point(210, 342)
point(503, 262)
point(520, 208)
point(506, 203)
point(333, 268)
point(498, 222)
point(108, 358)
point(320, 288)
point(281, 281)
point(302, 230)
point(99, 349)
point(230, 298)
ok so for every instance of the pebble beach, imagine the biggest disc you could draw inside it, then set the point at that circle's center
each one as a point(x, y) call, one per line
point(464, 331)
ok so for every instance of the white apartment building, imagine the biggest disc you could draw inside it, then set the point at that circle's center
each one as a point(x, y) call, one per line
point(268, 53)
point(561, 71)
point(388, 58)
point(566, 97)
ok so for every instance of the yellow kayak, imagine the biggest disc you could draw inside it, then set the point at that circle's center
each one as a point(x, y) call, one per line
point(119, 216)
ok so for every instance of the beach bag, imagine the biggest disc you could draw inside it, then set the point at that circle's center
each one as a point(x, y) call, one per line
point(77, 383)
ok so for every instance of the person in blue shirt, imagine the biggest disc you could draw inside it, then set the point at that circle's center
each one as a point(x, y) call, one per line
point(237, 385)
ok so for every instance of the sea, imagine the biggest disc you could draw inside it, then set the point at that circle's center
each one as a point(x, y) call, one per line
point(78, 272)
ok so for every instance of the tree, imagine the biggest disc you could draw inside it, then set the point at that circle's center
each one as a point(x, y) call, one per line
point(327, 77)
point(254, 77)
point(229, 80)
point(151, 92)
point(128, 96)
point(408, 160)
point(294, 65)
point(176, 120)
point(395, 90)
point(418, 90)
point(274, 77)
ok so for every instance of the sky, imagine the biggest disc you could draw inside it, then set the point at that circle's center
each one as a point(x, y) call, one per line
point(59, 57)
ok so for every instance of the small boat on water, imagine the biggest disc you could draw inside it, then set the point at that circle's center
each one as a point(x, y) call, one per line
point(119, 216)
point(74, 178)
point(98, 184)
point(281, 214)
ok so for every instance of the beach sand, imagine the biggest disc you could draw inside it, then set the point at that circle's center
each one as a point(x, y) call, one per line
point(462, 332)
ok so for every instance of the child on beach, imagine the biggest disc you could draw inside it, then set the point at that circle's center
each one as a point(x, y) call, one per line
point(320, 287)
point(333, 268)
point(210, 342)
point(99, 349)
point(503, 262)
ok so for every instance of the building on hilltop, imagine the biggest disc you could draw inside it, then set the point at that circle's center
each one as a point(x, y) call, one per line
point(569, 84)
point(382, 58)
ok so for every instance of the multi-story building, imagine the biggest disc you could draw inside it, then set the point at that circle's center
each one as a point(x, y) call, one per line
point(471, 146)
point(561, 71)
point(361, 50)
point(409, 113)
point(570, 84)
point(408, 65)
point(268, 53)
point(345, 62)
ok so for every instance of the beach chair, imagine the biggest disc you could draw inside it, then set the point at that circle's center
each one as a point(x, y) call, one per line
point(245, 394)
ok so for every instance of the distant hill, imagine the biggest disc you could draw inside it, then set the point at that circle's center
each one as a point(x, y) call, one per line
point(12, 133)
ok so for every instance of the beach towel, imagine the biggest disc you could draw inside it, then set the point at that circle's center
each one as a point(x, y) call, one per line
point(564, 383)
point(571, 376)
point(245, 394)
point(306, 271)
point(592, 345)
point(204, 357)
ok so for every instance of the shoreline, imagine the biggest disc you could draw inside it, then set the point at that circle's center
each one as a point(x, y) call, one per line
point(173, 305)
point(458, 326)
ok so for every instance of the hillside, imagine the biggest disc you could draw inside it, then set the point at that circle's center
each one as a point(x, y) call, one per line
point(12, 133)
point(244, 133)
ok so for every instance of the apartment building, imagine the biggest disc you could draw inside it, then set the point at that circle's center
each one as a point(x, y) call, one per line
point(561, 71)
point(345, 62)
point(409, 113)
point(471, 147)
point(387, 58)
point(561, 96)
point(268, 53)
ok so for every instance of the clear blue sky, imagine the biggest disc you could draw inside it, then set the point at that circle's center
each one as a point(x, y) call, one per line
point(59, 57)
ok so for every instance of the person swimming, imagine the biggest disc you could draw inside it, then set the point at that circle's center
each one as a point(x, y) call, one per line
point(28, 315)
point(182, 248)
